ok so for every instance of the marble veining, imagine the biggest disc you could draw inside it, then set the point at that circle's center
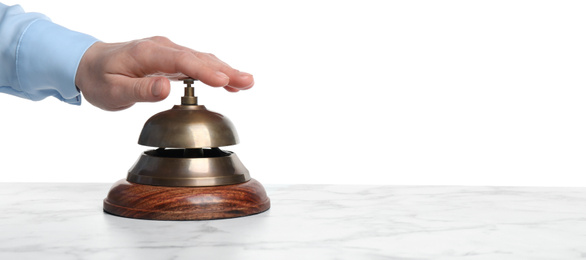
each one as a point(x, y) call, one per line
point(66, 221)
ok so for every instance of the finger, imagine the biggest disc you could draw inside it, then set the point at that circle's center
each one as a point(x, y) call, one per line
point(148, 89)
point(241, 81)
point(231, 89)
point(238, 80)
point(205, 67)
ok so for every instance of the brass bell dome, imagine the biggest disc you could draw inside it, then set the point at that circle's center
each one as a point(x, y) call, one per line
point(188, 126)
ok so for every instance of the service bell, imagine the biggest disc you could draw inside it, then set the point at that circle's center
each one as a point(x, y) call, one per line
point(187, 176)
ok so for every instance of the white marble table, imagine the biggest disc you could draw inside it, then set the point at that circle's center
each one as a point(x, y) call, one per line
point(66, 221)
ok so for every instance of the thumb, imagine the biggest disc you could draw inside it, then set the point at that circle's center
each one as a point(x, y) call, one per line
point(148, 89)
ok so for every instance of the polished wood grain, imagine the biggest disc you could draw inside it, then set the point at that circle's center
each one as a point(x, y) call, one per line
point(133, 200)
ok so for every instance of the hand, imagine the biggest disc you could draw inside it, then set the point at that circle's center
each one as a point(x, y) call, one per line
point(114, 76)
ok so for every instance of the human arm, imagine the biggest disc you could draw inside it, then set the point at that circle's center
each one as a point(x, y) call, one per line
point(37, 57)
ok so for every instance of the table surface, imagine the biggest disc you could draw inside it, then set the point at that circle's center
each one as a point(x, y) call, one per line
point(66, 221)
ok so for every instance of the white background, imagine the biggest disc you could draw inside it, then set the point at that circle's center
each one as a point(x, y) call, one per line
point(353, 92)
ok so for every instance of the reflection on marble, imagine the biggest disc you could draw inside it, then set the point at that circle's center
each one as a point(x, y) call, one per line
point(65, 221)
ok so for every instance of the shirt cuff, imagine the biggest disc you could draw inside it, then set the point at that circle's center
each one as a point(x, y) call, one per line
point(47, 59)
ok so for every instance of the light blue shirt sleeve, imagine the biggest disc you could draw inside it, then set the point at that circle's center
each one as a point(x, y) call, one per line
point(37, 57)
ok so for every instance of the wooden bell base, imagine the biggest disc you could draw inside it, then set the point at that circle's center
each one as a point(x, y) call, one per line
point(133, 200)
